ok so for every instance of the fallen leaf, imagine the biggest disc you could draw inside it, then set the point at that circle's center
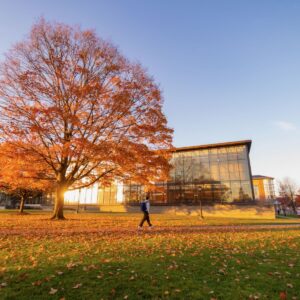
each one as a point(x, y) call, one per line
point(37, 283)
point(53, 291)
point(282, 295)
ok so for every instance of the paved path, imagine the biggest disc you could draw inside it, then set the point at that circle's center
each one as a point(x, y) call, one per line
point(119, 231)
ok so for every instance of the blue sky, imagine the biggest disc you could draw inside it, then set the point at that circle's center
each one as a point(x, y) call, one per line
point(229, 70)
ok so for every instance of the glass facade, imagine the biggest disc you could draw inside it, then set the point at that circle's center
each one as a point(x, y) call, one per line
point(209, 175)
point(269, 189)
point(213, 175)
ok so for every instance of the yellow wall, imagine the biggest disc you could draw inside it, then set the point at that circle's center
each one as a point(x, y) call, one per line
point(261, 190)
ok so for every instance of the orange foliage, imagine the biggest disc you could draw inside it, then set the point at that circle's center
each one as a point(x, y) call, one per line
point(82, 110)
point(21, 176)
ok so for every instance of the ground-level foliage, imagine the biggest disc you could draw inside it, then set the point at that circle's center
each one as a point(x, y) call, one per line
point(103, 256)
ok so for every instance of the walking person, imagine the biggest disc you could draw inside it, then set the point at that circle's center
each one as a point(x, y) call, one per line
point(145, 208)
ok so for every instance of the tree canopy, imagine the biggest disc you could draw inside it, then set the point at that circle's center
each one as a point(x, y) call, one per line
point(22, 176)
point(73, 103)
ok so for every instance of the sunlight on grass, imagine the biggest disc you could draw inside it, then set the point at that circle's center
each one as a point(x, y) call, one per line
point(103, 256)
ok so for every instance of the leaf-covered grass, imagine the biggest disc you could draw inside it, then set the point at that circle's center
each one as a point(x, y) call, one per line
point(103, 256)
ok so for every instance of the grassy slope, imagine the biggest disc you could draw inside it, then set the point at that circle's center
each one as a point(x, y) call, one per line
point(94, 256)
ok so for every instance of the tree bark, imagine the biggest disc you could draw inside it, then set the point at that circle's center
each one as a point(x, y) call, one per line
point(21, 209)
point(58, 212)
point(293, 205)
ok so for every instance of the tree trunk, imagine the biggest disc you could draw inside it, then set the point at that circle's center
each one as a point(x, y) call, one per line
point(58, 212)
point(293, 205)
point(21, 209)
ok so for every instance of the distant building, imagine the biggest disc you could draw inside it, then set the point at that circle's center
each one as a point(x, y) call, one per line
point(214, 174)
point(263, 187)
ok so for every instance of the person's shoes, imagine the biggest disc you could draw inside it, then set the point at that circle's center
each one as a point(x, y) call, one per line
point(151, 227)
point(139, 227)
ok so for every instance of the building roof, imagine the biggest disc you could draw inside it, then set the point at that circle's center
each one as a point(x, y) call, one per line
point(261, 177)
point(217, 145)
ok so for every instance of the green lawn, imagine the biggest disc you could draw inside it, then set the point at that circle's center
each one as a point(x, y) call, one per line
point(103, 256)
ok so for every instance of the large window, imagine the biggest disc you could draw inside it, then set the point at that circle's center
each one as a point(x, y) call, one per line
point(215, 175)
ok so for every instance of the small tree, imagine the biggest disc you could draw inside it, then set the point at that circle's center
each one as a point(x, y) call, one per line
point(21, 194)
point(85, 112)
point(288, 190)
point(21, 177)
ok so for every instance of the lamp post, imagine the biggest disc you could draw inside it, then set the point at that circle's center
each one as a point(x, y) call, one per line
point(199, 189)
point(77, 211)
point(276, 206)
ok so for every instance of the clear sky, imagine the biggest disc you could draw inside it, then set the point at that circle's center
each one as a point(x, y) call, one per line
point(229, 70)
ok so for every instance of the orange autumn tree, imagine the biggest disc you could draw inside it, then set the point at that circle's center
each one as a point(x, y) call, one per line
point(78, 106)
point(21, 177)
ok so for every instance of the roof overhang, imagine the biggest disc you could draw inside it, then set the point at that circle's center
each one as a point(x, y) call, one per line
point(257, 177)
point(217, 145)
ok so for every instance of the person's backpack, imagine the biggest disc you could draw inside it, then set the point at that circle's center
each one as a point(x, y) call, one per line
point(143, 206)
